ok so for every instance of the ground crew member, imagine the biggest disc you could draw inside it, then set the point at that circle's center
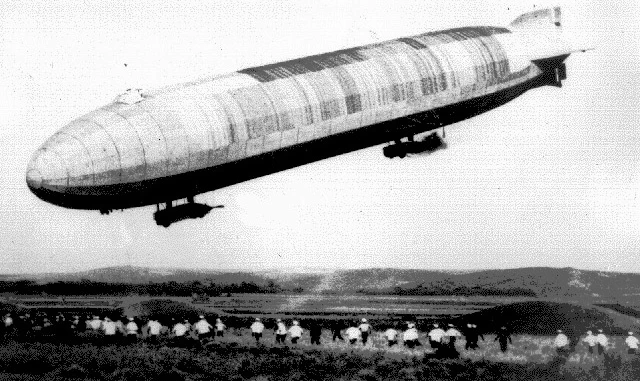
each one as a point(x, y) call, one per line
point(152, 330)
point(110, 329)
point(336, 327)
point(561, 343)
point(365, 329)
point(315, 331)
point(435, 336)
point(256, 329)
point(74, 325)
point(203, 329)
point(296, 332)
point(472, 336)
point(187, 324)
point(410, 336)
point(591, 341)
point(131, 329)
point(353, 334)
point(452, 333)
point(7, 326)
point(95, 324)
point(281, 332)
point(632, 344)
point(392, 336)
point(603, 341)
point(502, 336)
point(219, 327)
point(179, 332)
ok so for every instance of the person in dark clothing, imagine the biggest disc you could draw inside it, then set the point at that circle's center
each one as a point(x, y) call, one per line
point(502, 336)
point(471, 335)
point(315, 331)
point(336, 327)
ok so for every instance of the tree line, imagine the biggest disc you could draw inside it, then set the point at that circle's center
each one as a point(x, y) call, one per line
point(170, 288)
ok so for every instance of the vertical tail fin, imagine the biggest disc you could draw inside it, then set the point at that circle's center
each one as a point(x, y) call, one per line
point(539, 20)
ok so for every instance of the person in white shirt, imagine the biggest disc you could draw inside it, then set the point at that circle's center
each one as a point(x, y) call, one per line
point(131, 330)
point(281, 331)
point(256, 329)
point(152, 330)
point(203, 328)
point(452, 333)
point(392, 336)
point(7, 321)
point(435, 336)
point(561, 342)
point(220, 327)
point(95, 324)
point(296, 332)
point(410, 336)
point(179, 332)
point(591, 341)
point(365, 330)
point(110, 329)
point(353, 334)
point(6, 327)
point(603, 341)
point(179, 329)
point(632, 344)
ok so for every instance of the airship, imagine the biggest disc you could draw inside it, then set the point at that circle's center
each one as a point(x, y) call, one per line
point(170, 144)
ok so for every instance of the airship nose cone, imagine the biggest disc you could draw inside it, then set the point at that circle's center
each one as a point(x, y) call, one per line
point(46, 169)
point(34, 178)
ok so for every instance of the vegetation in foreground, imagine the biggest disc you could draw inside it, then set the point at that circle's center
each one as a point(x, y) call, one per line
point(237, 357)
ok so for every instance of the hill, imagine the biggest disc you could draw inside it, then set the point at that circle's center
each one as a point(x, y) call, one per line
point(524, 282)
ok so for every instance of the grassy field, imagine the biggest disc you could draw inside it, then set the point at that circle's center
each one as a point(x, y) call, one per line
point(237, 357)
point(293, 303)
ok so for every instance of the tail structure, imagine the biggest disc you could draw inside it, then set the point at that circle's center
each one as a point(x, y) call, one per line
point(543, 42)
point(542, 19)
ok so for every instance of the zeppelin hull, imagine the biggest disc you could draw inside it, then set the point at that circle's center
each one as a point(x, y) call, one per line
point(160, 190)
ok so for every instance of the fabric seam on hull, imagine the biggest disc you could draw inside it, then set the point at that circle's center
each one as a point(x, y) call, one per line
point(61, 161)
point(93, 168)
point(144, 155)
point(112, 141)
point(166, 145)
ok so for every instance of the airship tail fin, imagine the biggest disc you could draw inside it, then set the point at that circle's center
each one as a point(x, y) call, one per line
point(540, 20)
point(541, 34)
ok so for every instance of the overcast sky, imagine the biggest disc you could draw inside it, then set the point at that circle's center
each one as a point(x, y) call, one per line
point(550, 179)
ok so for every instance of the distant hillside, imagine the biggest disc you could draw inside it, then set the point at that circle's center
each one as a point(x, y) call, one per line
point(536, 281)
point(531, 282)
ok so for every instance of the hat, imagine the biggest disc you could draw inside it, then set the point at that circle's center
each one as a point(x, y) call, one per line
point(364, 320)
